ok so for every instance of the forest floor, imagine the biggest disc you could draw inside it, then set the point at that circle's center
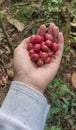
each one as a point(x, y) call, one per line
point(63, 88)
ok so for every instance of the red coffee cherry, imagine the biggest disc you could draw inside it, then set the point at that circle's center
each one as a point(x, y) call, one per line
point(55, 47)
point(38, 39)
point(37, 47)
point(40, 62)
point(31, 52)
point(45, 48)
point(49, 43)
point(48, 60)
point(50, 54)
point(34, 57)
point(30, 46)
point(32, 38)
point(43, 55)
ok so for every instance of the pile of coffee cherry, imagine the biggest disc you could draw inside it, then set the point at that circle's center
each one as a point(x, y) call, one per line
point(41, 50)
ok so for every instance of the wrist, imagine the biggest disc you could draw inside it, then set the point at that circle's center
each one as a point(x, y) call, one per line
point(27, 82)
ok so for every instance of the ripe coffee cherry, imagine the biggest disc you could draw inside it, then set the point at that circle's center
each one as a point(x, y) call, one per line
point(50, 54)
point(49, 43)
point(37, 47)
point(32, 38)
point(31, 52)
point(40, 62)
point(48, 37)
point(43, 55)
point(55, 47)
point(30, 46)
point(34, 57)
point(38, 39)
point(42, 43)
point(48, 60)
point(45, 48)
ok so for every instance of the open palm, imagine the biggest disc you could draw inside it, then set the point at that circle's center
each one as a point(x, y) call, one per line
point(27, 72)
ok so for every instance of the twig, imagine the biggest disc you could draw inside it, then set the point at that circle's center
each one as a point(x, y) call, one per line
point(6, 35)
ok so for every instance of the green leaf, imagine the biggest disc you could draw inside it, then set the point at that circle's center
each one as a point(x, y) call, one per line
point(65, 101)
point(66, 89)
point(74, 38)
point(46, 127)
point(55, 128)
point(72, 111)
point(70, 121)
point(2, 35)
point(73, 104)
point(54, 110)
point(67, 117)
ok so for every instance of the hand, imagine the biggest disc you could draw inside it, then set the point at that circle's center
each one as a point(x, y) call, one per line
point(27, 72)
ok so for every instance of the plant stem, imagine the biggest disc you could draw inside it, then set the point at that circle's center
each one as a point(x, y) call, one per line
point(6, 35)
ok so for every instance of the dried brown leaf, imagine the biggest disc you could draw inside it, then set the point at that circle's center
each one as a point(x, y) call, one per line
point(73, 24)
point(73, 33)
point(74, 79)
point(20, 26)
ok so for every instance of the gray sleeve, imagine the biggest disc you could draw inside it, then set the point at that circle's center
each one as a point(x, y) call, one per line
point(24, 108)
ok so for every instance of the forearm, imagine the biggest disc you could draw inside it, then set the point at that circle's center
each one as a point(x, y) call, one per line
point(24, 108)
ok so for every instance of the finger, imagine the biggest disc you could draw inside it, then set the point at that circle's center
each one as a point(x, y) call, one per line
point(50, 29)
point(61, 42)
point(59, 53)
point(42, 30)
point(55, 33)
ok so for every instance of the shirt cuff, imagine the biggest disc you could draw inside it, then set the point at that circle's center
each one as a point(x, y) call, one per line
point(27, 105)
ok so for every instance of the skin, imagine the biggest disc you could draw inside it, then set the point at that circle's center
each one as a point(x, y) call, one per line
point(27, 72)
